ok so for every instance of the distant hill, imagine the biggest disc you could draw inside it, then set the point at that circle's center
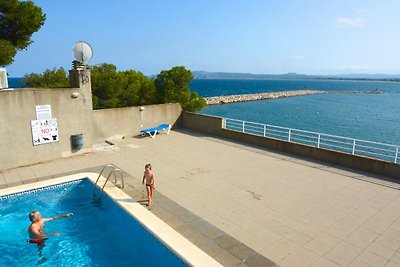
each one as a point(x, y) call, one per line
point(287, 76)
point(377, 76)
point(232, 75)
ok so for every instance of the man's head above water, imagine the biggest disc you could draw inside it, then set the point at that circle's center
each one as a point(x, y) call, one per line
point(34, 215)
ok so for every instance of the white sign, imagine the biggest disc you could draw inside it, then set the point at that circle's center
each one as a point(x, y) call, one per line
point(43, 112)
point(44, 131)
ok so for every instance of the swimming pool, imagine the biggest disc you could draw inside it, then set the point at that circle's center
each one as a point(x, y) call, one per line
point(99, 233)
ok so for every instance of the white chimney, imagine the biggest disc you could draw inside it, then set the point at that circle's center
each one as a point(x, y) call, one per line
point(3, 78)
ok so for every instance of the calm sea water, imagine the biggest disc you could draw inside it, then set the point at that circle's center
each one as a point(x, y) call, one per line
point(16, 83)
point(374, 117)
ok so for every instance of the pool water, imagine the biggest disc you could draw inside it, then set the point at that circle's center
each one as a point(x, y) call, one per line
point(99, 233)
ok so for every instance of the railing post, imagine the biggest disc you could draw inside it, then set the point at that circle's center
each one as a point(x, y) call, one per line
point(243, 127)
point(319, 140)
point(354, 147)
point(290, 131)
point(265, 130)
point(224, 123)
point(397, 153)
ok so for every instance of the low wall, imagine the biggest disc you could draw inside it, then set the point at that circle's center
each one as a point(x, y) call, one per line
point(202, 123)
point(72, 107)
point(213, 125)
point(18, 109)
point(130, 120)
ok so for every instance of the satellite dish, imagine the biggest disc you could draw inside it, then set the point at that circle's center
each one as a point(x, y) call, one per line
point(83, 52)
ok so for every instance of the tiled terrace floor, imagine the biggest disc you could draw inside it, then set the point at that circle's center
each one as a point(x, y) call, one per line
point(293, 211)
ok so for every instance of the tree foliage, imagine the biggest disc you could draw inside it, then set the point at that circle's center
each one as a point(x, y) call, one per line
point(55, 78)
point(173, 86)
point(114, 89)
point(194, 103)
point(18, 21)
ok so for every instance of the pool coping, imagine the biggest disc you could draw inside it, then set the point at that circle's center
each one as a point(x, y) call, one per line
point(179, 245)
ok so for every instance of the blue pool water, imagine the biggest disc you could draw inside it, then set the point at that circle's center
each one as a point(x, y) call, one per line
point(99, 233)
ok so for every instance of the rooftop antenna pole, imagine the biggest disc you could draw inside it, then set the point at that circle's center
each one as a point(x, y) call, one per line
point(83, 53)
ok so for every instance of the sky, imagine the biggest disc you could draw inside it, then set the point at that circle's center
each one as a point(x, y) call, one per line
point(247, 36)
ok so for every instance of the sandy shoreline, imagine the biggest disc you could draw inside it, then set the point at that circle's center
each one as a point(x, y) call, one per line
point(215, 100)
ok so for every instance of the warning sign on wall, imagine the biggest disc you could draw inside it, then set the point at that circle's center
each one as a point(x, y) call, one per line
point(43, 112)
point(44, 131)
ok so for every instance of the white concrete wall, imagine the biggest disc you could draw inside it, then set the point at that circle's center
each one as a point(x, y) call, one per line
point(74, 116)
point(128, 121)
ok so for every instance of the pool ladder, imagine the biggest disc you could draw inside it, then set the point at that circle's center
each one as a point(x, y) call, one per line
point(114, 170)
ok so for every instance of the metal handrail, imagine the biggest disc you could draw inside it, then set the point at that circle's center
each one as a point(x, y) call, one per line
point(113, 171)
point(334, 142)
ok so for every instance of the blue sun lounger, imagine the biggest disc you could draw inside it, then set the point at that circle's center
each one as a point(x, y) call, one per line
point(153, 131)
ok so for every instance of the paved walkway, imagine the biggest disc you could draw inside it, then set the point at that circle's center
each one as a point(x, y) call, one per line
point(293, 211)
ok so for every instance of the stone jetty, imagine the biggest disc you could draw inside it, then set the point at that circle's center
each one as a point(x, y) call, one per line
point(215, 100)
point(261, 96)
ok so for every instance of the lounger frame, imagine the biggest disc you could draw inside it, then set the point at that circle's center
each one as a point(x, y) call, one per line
point(165, 127)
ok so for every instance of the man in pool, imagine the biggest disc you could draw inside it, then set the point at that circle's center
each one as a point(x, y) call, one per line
point(36, 229)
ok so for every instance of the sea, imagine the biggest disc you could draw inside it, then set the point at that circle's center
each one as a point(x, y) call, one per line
point(371, 117)
point(16, 82)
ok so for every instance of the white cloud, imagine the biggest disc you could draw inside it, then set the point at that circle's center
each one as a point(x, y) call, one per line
point(349, 22)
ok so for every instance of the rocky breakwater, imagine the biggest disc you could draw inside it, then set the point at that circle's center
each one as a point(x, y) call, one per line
point(261, 96)
point(215, 100)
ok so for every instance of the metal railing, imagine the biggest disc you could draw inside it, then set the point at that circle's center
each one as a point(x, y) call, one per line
point(337, 143)
point(114, 171)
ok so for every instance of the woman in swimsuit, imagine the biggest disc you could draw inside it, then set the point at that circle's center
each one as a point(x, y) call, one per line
point(149, 177)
